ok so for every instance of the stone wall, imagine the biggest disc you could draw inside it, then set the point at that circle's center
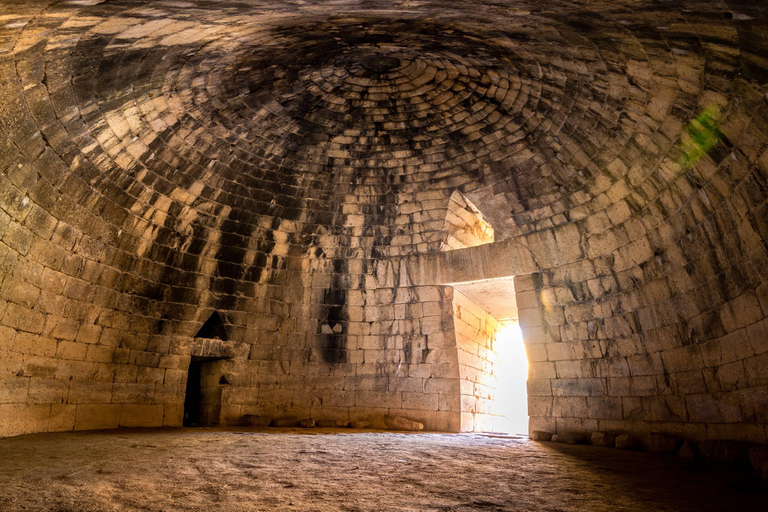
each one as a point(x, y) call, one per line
point(292, 168)
point(465, 225)
point(395, 354)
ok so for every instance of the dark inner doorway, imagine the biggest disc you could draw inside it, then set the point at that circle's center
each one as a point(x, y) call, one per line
point(205, 382)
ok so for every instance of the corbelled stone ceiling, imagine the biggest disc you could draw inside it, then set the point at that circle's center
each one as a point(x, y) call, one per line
point(315, 173)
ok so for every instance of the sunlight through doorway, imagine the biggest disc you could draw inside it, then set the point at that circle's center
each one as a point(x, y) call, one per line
point(511, 383)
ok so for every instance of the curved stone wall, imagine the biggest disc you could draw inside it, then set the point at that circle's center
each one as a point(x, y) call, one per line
point(291, 167)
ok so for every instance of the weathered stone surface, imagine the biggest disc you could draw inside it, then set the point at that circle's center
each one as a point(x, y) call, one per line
point(736, 453)
point(662, 443)
point(277, 468)
point(401, 423)
point(255, 420)
point(758, 457)
point(360, 424)
point(568, 438)
point(332, 423)
point(286, 421)
point(603, 439)
point(688, 450)
point(307, 423)
point(626, 442)
point(540, 435)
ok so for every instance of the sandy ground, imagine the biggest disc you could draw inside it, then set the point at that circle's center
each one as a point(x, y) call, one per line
point(326, 470)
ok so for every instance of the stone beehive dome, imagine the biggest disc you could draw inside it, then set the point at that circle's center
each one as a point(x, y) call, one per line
point(286, 189)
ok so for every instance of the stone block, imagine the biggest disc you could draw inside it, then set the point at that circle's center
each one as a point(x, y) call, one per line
point(338, 398)
point(682, 359)
point(34, 345)
point(626, 442)
point(141, 415)
point(715, 408)
point(756, 369)
point(568, 438)
point(540, 406)
point(537, 354)
point(421, 401)
point(604, 408)
point(48, 391)
point(560, 351)
point(19, 292)
point(255, 420)
point(62, 417)
point(735, 453)
point(665, 408)
point(578, 387)
point(663, 443)
point(747, 432)
point(758, 332)
point(527, 282)
point(14, 389)
point(125, 373)
point(543, 423)
point(570, 407)
point(448, 421)
point(731, 347)
point(18, 419)
point(603, 439)
point(645, 364)
point(333, 423)
point(378, 399)
point(149, 375)
point(90, 392)
point(530, 317)
point(92, 416)
point(540, 435)
point(441, 385)
point(71, 350)
point(569, 243)
point(285, 421)
point(174, 415)
point(127, 393)
point(99, 353)
point(400, 423)
point(744, 310)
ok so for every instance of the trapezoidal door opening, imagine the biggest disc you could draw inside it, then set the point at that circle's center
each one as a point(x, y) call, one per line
point(493, 366)
point(205, 383)
point(511, 379)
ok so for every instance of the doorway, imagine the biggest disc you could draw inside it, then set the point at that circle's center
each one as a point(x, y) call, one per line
point(512, 380)
point(205, 382)
point(486, 316)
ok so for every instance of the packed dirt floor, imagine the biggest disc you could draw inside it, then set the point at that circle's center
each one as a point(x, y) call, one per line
point(339, 470)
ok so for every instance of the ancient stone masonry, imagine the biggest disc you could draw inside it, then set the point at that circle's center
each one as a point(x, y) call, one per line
point(465, 225)
point(285, 191)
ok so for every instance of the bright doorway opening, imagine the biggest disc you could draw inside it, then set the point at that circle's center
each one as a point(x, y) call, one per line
point(493, 365)
point(511, 380)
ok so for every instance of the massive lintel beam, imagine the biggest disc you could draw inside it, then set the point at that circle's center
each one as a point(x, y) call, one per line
point(490, 261)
